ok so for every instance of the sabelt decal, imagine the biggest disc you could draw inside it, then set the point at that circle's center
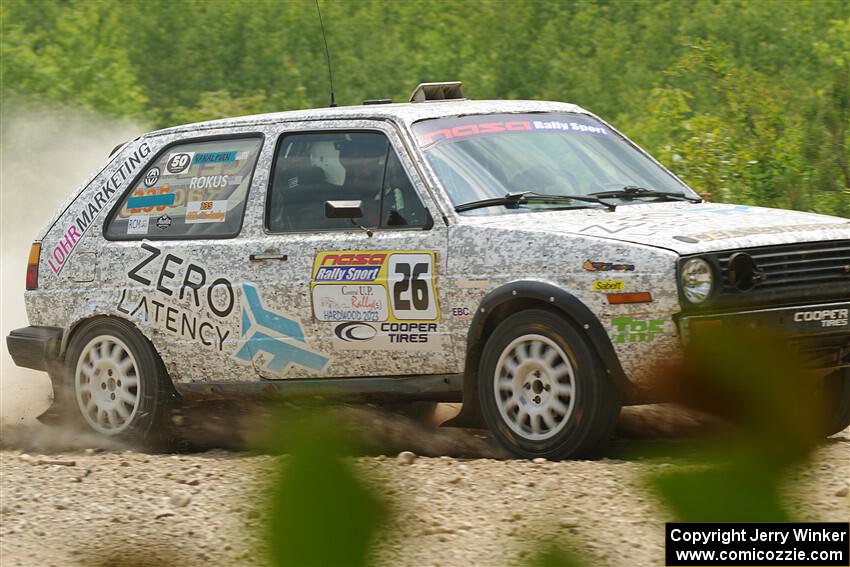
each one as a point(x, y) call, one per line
point(205, 211)
point(91, 208)
point(375, 286)
point(609, 285)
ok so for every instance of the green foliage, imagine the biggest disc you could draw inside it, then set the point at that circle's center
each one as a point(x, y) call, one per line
point(749, 101)
point(742, 478)
point(321, 513)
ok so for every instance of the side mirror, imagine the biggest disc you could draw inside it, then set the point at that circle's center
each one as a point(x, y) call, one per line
point(343, 209)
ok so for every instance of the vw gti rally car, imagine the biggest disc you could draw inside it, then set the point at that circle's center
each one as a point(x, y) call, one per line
point(524, 258)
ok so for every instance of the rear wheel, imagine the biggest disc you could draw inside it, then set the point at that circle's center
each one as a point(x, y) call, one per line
point(116, 381)
point(542, 391)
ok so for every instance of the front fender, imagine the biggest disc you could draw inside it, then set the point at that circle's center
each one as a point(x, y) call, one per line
point(522, 294)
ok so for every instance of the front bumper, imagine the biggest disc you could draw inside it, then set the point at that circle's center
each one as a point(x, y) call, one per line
point(35, 347)
point(820, 332)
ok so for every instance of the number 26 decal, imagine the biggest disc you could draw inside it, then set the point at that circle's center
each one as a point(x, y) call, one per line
point(411, 278)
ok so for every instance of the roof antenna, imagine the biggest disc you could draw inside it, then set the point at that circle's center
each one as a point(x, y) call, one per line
point(328, 54)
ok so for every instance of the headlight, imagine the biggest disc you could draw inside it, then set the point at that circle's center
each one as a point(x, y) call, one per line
point(697, 280)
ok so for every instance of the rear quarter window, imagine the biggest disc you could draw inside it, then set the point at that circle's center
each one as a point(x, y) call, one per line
point(191, 190)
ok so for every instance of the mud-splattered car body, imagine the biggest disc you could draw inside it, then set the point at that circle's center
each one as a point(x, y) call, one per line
point(398, 310)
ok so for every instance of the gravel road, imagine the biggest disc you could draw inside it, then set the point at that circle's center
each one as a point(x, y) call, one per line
point(117, 507)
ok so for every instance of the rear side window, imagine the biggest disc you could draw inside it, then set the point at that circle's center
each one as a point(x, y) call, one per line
point(194, 190)
point(340, 166)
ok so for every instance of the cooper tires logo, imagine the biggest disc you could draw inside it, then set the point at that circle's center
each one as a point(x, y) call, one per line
point(354, 332)
point(826, 317)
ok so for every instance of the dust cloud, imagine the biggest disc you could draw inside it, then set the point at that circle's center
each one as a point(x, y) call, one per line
point(45, 154)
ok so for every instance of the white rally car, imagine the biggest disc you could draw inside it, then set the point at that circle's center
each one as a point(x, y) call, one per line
point(522, 257)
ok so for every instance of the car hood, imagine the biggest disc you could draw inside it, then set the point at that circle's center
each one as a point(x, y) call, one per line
point(686, 228)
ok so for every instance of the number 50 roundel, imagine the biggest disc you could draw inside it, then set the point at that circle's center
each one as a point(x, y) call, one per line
point(375, 286)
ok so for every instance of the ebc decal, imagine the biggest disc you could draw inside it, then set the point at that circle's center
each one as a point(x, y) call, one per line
point(90, 209)
point(375, 286)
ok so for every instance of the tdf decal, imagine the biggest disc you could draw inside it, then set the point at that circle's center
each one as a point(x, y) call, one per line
point(265, 332)
point(630, 330)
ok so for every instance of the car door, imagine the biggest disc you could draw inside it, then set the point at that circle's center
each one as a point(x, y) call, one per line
point(341, 297)
point(174, 237)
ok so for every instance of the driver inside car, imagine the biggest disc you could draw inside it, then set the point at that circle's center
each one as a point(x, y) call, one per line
point(363, 161)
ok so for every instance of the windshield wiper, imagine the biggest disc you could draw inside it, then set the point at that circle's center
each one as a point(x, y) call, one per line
point(514, 200)
point(634, 192)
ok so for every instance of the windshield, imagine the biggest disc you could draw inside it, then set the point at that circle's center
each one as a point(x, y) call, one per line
point(489, 156)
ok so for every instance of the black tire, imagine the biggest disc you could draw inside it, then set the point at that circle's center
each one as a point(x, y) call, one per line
point(581, 431)
point(146, 380)
point(837, 402)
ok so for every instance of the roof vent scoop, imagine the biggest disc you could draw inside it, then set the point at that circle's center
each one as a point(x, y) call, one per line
point(437, 91)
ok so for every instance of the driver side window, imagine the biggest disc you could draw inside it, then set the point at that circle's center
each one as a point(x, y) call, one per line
point(310, 169)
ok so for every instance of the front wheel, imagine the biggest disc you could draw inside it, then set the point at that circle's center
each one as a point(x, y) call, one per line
point(542, 391)
point(116, 381)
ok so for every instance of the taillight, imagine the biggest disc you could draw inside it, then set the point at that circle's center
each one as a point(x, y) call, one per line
point(32, 265)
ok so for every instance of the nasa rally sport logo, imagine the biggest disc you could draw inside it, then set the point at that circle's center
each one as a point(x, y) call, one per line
point(354, 331)
point(152, 176)
point(178, 163)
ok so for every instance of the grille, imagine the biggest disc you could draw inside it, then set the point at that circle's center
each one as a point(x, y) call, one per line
point(796, 265)
point(786, 274)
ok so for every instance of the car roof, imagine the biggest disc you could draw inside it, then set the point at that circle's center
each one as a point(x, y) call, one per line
point(407, 113)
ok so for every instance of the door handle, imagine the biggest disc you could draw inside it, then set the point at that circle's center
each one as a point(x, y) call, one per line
point(267, 256)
